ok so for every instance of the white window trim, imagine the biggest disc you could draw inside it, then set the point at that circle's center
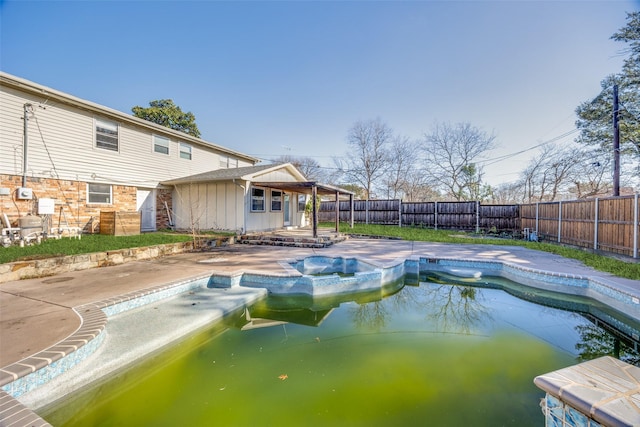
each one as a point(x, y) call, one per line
point(89, 202)
point(161, 139)
point(105, 124)
point(304, 206)
point(273, 199)
point(227, 162)
point(185, 148)
point(264, 199)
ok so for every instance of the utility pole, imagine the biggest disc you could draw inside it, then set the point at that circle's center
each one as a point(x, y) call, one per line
point(616, 145)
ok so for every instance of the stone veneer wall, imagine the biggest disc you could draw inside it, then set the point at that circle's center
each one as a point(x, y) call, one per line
point(46, 267)
point(71, 196)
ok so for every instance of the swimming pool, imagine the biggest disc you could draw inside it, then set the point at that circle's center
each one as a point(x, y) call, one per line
point(437, 351)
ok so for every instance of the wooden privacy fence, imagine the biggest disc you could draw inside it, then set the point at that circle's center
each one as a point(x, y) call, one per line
point(447, 215)
point(608, 224)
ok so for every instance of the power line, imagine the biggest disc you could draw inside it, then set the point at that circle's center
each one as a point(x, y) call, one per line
point(508, 156)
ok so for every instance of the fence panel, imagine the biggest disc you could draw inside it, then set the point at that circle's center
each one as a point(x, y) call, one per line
point(446, 215)
point(548, 220)
point(615, 225)
point(578, 223)
point(419, 214)
point(457, 215)
point(500, 218)
point(608, 224)
point(528, 217)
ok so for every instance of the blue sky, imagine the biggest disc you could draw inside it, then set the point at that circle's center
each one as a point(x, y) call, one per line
point(272, 78)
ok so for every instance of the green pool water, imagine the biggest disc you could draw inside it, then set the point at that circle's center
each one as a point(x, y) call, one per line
point(436, 354)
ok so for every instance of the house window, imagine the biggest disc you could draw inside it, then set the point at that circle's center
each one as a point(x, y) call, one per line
point(185, 151)
point(276, 200)
point(99, 193)
point(160, 144)
point(302, 202)
point(257, 200)
point(228, 162)
point(106, 135)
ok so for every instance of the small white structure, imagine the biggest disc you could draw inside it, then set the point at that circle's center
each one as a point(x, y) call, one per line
point(247, 199)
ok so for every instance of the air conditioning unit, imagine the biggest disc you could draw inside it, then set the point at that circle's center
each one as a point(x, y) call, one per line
point(25, 193)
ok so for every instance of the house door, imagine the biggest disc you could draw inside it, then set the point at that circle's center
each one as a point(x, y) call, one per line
point(287, 209)
point(146, 205)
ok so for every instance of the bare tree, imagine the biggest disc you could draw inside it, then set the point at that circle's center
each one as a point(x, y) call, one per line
point(593, 175)
point(452, 152)
point(309, 166)
point(403, 157)
point(416, 188)
point(367, 159)
point(507, 193)
point(550, 173)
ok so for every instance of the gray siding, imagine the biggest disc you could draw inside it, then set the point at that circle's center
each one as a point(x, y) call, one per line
point(62, 144)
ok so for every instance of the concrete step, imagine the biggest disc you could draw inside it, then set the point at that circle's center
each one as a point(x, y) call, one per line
point(293, 241)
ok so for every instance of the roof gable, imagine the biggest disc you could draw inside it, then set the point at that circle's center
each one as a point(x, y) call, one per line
point(246, 173)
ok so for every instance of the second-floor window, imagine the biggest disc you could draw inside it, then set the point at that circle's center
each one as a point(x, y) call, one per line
point(160, 144)
point(106, 135)
point(185, 151)
point(228, 162)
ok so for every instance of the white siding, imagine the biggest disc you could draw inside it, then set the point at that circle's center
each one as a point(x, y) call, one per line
point(270, 220)
point(209, 206)
point(280, 175)
point(61, 143)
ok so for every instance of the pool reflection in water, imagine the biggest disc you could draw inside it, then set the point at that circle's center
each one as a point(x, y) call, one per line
point(433, 354)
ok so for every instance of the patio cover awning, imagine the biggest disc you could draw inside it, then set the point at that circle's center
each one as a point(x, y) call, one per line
point(305, 187)
point(314, 188)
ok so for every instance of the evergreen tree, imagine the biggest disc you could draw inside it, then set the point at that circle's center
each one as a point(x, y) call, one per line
point(595, 117)
point(164, 112)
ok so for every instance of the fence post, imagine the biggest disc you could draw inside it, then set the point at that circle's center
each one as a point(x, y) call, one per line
point(351, 210)
point(366, 211)
point(435, 215)
point(595, 227)
point(477, 216)
point(314, 210)
point(635, 226)
point(337, 212)
point(537, 228)
point(559, 219)
point(400, 213)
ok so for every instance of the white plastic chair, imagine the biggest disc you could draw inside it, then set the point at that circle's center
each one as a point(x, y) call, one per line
point(9, 234)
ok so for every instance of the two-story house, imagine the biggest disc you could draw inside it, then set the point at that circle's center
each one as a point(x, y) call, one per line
point(88, 158)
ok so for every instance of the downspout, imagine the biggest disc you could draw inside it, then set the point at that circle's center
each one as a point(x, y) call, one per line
point(244, 204)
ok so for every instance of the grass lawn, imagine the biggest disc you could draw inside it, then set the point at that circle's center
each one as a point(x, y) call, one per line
point(99, 243)
point(628, 269)
point(89, 243)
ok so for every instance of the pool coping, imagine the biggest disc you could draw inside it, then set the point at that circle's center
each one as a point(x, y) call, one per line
point(44, 365)
point(15, 379)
